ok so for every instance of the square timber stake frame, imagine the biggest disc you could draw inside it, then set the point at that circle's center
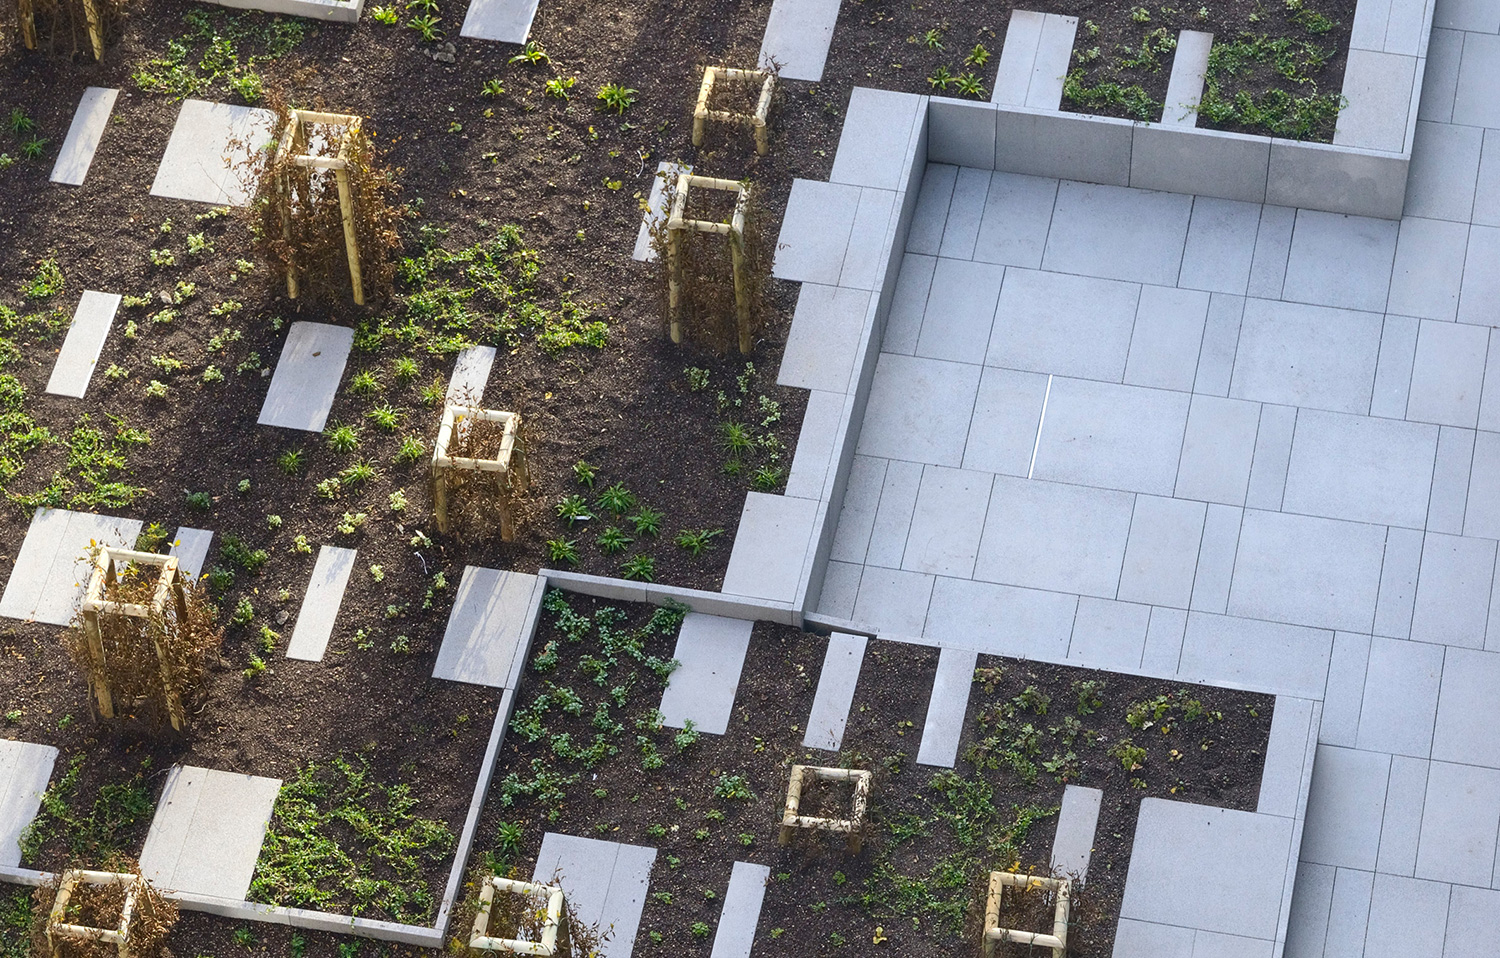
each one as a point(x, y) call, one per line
point(480, 939)
point(294, 146)
point(850, 827)
point(510, 459)
point(756, 120)
point(59, 931)
point(734, 230)
point(168, 587)
point(1057, 941)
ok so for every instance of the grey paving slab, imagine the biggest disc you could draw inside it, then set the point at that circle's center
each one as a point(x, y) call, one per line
point(815, 443)
point(1073, 842)
point(206, 142)
point(1046, 535)
point(1064, 324)
point(946, 707)
point(1401, 697)
point(627, 898)
point(1480, 291)
point(1487, 188)
point(874, 139)
point(1115, 232)
point(1300, 355)
point(1164, 641)
point(655, 210)
point(320, 604)
point(1145, 939)
point(864, 258)
point(1378, 86)
point(1401, 826)
point(503, 21)
point(1345, 807)
point(605, 884)
point(471, 373)
point(742, 901)
point(892, 601)
point(1398, 351)
point(85, 339)
point(1185, 86)
point(861, 499)
point(913, 285)
point(965, 212)
point(51, 570)
point(1000, 619)
point(1111, 436)
point(824, 338)
point(207, 832)
point(1307, 570)
point(84, 133)
point(1340, 260)
point(1214, 576)
point(797, 36)
point(1289, 659)
point(1161, 554)
point(1017, 217)
point(1360, 468)
point(1400, 904)
point(1007, 412)
point(1444, 171)
point(1109, 634)
point(1349, 912)
point(892, 525)
point(1471, 913)
point(815, 231)
point(1483, 515)
point(1213, 869)
point(1478, 73)
point(1307, 928)
point(190, 546)
point(1220, 245)
point(1167, 338)
point(1053, 51)
point(960, 310)
point(1450, 480)
point(1428, 271)
point(770, 546)
point(486, 627)
point(1273, 244)
point(840, 589)
point(931, 215)
point(835, 694)
point(1463, 731)
point(1460, 819)
point(1453, 590)
point(712, 651)
point(1489, 399)
point(1292, 735)
point(919, 410)
point(947, 522)
point(1440, 78)
point(1466, 15)
point(307, 376)
point(25, 769)
point(1345, 690)
point(1023, 34)
point(1221, 342)
point(1217, 450)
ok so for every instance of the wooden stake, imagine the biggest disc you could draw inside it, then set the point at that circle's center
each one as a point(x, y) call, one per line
point(96, 28)
point(741, 294)
point(26, 13)
point(346, 204)
point(674, 284)
point(440, 497)
point(97, 679)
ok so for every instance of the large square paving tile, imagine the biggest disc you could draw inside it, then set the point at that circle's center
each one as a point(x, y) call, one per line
point(1429, 268)
point(208, 830)
point(1474, 103)
point(208, 148)
point(893, 602)
point(1017, 216)
point(1471, 914)
point(960, 310)
point(1465, 731)
point(1220, 245)
point(919, 410)
point(1291, 659)
point(712, 651)
point(1345, 807)
point(1168, 338)
point(1400, 697)
point(1007, 412)
point(1307, 571)
point(1298, 355)
point(770, 546)
point(1112, 436)
point(1063, 324)
point(1047, 535)
point(52, 569)
point(815, 232)
point(1161, 556)
point(1448, 373)
point(1000, 619)
point(1399, 904)
point(947, 521)
point(1340, 260)
point(1453, 590)
point(1118, 233)
point(1360, 468)
point(605, 884)
point(1460, 820)
point(1218, 450)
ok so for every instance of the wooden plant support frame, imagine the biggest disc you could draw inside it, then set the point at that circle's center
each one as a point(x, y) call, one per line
point(294, 145)
point(480, 940)
point(734, 230)
point(168, 586)
point(26, 13)
point(1057, 941)
point(756, 121)
point(851, 827)
point(59, 931)
point(512, 456)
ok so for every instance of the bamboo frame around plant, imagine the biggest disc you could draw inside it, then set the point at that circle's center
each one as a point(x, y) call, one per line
point(851, 827)
point(734, 230)
point(480, 940)
point(756, 120)
point(169, 585)
point(509, 461)
point(26, 14)
point(1057, 941)
point(59, 930)
point(293, 146)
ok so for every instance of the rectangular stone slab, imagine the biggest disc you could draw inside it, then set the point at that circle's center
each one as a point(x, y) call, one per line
point(712, 650)
point(946, 708)
point(835, 695)
point(51, 571)
point(84, 133)
point(604, 883)
point(207, 833)
point(798, 33)
point(504, 21)
point(1189, 65)
point(80, 350)
point(471, 372)
point(24, 771)
point(1074, 841)
point(307, 376)
point(320, 605)
point(747, 889)
point(204, 137)
point(486, 627)
point(191, 550)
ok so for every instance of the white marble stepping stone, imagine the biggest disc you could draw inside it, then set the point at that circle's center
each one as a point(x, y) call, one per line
point(80, 350)
point(798, 33)
point(1074, 842)
point(836, 683)
point(747, 890)
point(84, 134)
point(207, 135)
point(320, 605)
point(604, 883)
point(712, 650)
point(307, 376)
point(1034, 60)
point(52, 569)
point(24, 771)
point(1185, 87)
point(656, 207)
point(471, 373)
point(946, 708)
point(486, 627)
point(207, 833)
point(191, 550)
point(504, 21)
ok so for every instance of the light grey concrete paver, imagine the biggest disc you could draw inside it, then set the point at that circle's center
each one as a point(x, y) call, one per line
point(307, 376)
point(486, 628)
point(904, 323)
point(1378, 87)
point(1471, 913)
point(742, 901)
point(1109, 634)
point(1450, 480)
point(1440, 78)
point(1345, 690)
point(1217, 450)
point(1003, 430)
point(1111, 436)
point(1480, 291)
point(1053, 51)
point(1017, 217)
point(1482, 517)
point(208, 830)
point(861, 499)
point(1064, 324)
point(815, 444)
point(770, 546)
point(964, 214)
point(947, 521)
point(1487, 188)
point(840, 589)
point(655, 210)
point(1307, 929)
point(1189, 64)
point(892, 601)
point(711, 650)
point(835, 695)
point(864, 257)
point(1073, 843)
point(320, 604)
point(960, 310)
point(1164, 641)
point(1398, 350)
point(503, 21)
point(1399, 904)
point(892, 525)
point(1167, 339)
point(1453, 590)
point(1464, 732)
point(1214, 576)
point(1161, 554)
point(1473, 15)
point(919, 410)
point(1023, 33)
point(873, 140)
point(1286, 759)
point(190, 546)
point(1444, 171)
point(85, 339)
point(605, 884)
point(824, 338)
point(205, 155)
point(1360, 468)
point(1401, 697)
point(1428, 271)
point(815, 231)
point(1146, 939)
point(1340, 260)
point(471, 373)
point(1349, 912)
point(798, 33)
point(1478, 74)
point(1046, 535)
point(1000, 619)
point(1290, 659)
point(1489, 399)
point(945, 709)
point(1345, 807)
point(1460, 820)
point(51, 570)
point(1299, 355)
point(25, 769)
point(1221, 341)
point(1306, 570)
point(1220, 245)
point(931, 215)
point(84, 133)
point(1400, 829)
point(1273, 244)
point(1117, 233)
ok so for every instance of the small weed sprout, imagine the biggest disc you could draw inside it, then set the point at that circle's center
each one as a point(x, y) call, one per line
point(584, 473)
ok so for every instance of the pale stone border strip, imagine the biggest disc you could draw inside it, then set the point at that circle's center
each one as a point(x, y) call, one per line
point(835, 696)
point(712, 651)
point(84, 134)
point(204, 823)
point(798, 34)
point(1073, 843)
point(742, 902)
point(503, 21)
point(85, 340)
point(1185, 86)
point(336, 11)
point(946, 708)
point(320, 604)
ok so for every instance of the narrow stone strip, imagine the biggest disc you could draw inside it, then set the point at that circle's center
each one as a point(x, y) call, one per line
point(798, 34)
point(1017, 58)
point(656, 208)
point(1053, 53)
point(836, 683)
point(471, 373)
point(747, 889)
point(191, 550)
point(84, 134)
point(80, 350)
point(24, 771)
point(504, 21)
point(1189, 66)
point(712, 650)
point(486, 626)
point(320, 605)
point(1074, 841)
point(946, 708)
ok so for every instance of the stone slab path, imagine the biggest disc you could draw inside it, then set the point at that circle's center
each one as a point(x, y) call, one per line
point(736, 931)
point(1185, 86)
point(1034, 60)
point(80, 349)
point(798, 34)
point(320, 604)
point(208, 142)
point(504, 21)
point(946, 708)
point(191, 549)
point(656, 207)
point(835, 695)
point(1073, 844)
point(712, 650)
point(486, 627)
point(307, 376)
point(207, 833)
point(84, 134)
point(25, 769)
point(471, 373)
point(604, 882)
point(52, 569)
